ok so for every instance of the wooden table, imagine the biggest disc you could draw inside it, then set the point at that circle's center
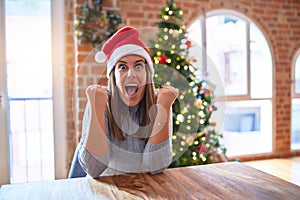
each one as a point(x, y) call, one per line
point(230, 180)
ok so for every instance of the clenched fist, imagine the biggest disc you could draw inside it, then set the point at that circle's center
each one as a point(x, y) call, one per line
point(98, 97)
point(166, 96)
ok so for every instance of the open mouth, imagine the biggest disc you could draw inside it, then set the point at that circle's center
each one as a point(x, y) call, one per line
point(131, 89)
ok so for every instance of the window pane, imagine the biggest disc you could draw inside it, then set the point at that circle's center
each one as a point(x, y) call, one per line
point(295, 143)
point(260, 65)
point(28, 39)
point(226, 46)
point(295, 124)
point(248, 127)
point(195, 33)
point(297, 75)
point(29, 81)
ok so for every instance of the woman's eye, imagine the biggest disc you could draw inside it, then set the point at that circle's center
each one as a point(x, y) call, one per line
point(122, 67)
point(138, 67)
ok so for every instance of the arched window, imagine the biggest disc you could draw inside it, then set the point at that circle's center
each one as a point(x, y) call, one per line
point(242, 57)
point(296, 105)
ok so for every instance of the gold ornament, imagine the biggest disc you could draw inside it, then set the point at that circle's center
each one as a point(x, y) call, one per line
point(103, 19)
point(175, 34)
point(198, 103)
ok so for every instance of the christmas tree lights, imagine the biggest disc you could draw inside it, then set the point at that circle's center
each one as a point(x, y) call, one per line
point(195, 140)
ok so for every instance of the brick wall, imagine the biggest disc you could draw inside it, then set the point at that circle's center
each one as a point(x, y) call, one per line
point(279, 20)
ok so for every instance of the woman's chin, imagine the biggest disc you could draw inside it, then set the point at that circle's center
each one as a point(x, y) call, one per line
point(131, 100)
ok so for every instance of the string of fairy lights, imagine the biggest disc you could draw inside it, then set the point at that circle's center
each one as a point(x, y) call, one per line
point(192, 117)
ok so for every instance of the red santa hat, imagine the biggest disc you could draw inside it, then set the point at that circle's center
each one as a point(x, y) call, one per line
point(124, 42)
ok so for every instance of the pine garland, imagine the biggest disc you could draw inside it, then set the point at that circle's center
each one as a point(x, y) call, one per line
point(95, 24)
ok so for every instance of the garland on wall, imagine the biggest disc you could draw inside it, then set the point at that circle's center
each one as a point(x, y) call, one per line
point(95, 24)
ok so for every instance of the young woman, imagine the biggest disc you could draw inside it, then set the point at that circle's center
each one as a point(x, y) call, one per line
point(127, 126)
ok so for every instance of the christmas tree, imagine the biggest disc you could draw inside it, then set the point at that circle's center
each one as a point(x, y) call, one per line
point(195, 141)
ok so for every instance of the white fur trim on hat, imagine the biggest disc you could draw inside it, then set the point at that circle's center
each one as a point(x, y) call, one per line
point(125, 50)
point(100, 57)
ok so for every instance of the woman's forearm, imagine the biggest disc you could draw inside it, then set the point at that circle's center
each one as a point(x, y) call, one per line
point(161, 127)
point(96, 139)
point(90, 164)
point(157, 157)
point(158, 151)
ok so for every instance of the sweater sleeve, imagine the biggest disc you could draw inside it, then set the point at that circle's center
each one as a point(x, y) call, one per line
point(92, 165)
point(157, 157)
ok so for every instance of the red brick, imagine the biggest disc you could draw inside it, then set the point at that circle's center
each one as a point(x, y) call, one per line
point(85, 48)
point(154, 2)
point(134, 14)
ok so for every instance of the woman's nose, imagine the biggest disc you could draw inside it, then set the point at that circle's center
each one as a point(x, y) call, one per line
point(131, 73)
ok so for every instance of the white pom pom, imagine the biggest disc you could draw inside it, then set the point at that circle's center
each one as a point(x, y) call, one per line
point(100, 57)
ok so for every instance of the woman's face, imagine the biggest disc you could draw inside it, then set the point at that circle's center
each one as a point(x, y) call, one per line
point(131, 77)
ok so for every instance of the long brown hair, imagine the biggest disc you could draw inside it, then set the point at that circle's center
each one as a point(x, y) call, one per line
point(114, 107)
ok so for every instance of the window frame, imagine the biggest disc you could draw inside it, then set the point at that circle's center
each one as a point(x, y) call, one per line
point(293, 86)
point(248, 22)
point(4, 140)
point(247, 97)
point(59, 109)
point(59, 114)
point(294, 95)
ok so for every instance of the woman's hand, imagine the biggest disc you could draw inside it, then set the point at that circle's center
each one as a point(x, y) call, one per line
point(166, 96)
point(96, 140)
point(98, 97)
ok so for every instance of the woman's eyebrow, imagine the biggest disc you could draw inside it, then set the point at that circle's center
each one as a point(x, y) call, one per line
point(137, 61)
point(121, 61)
point(142, 60)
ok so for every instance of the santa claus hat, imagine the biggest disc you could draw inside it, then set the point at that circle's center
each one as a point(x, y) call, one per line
point(124, 42)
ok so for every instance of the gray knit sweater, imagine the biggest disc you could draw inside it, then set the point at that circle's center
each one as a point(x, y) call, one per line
point(130, 156)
